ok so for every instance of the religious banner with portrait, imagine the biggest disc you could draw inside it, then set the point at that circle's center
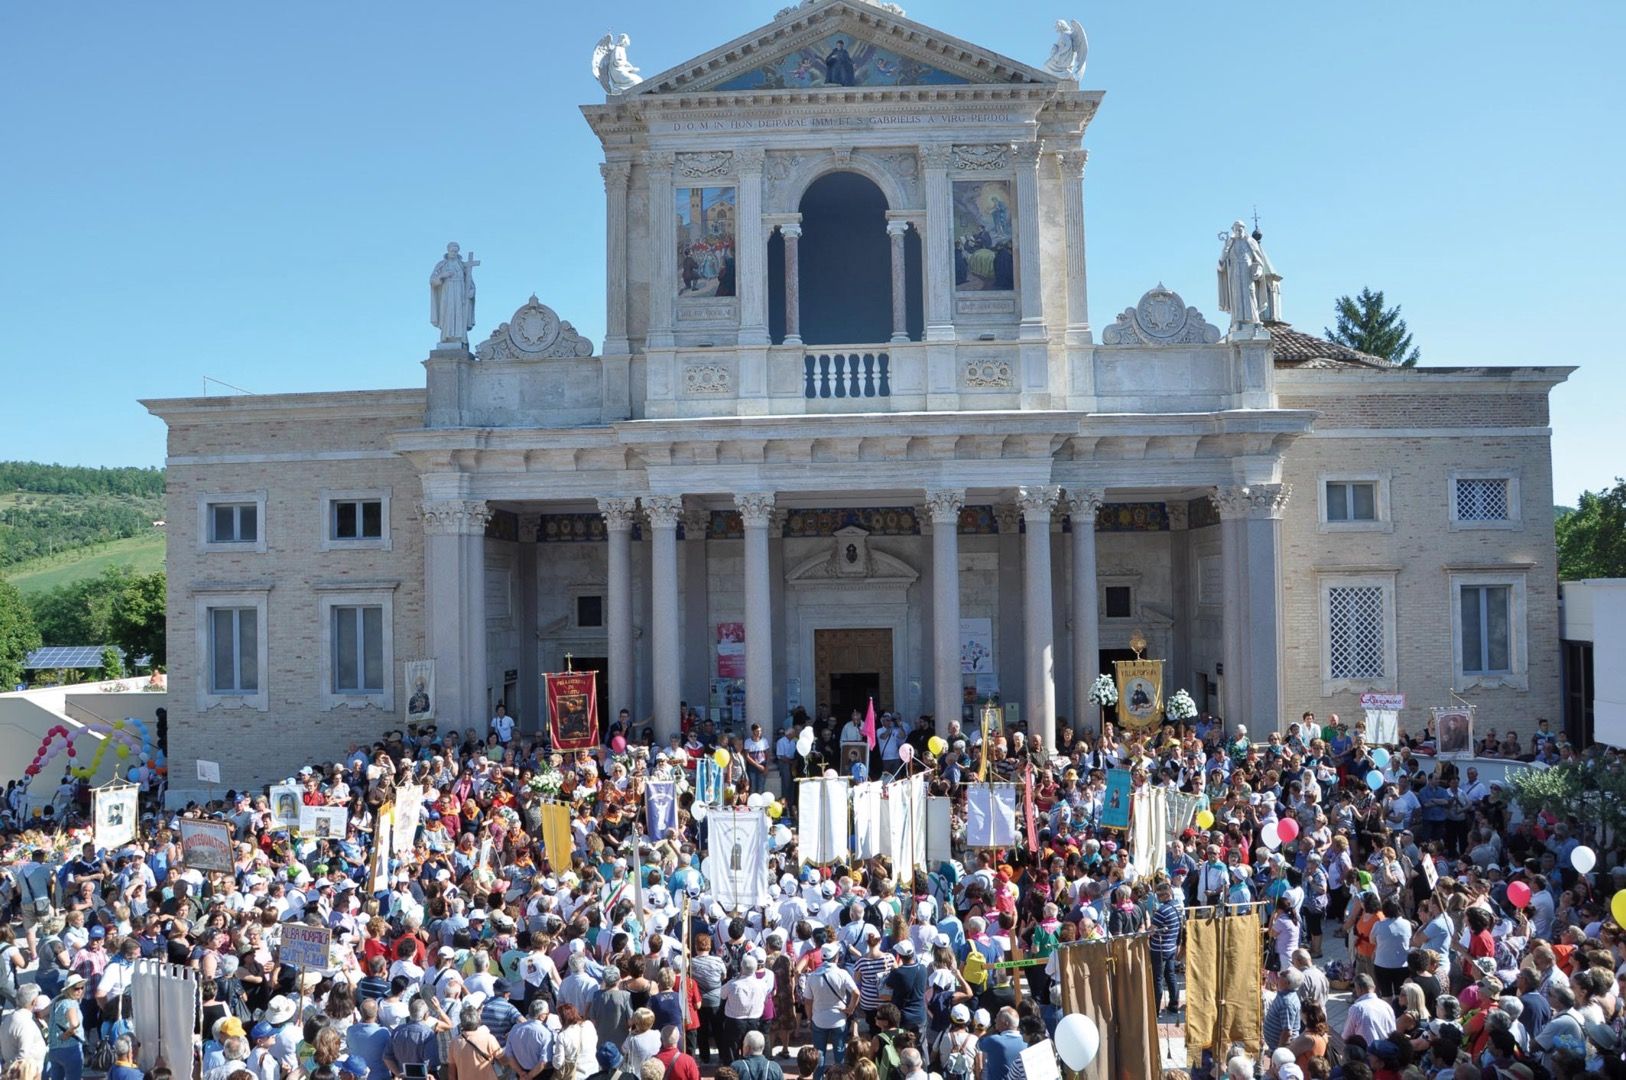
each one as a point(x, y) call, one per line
point(115, 811)
point(1115, 803)
point(736, 859)
point(1454, 731)
point(572, 709)
point(286, 800)
point(660, 807)
point(420, 686)
point(324, 822)
point(1140, 694)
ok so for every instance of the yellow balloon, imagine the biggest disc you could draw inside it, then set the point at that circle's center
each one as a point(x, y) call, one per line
point(936, 744)
point(775, 811)
point(1617, 907)
point(1205, 819)
point(118, 725)
point(123, 751)
point(721, 758)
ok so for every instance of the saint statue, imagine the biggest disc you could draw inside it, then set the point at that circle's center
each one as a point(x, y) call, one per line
point(451, 296)
point(611, 67)
point(1249, 289)
point(838, 67)
point(1067, 55)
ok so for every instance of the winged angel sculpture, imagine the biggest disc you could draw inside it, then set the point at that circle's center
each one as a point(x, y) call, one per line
point(1068, 53)
point(611, 67)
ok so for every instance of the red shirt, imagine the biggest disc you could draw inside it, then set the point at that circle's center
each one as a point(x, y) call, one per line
point(679, 1066)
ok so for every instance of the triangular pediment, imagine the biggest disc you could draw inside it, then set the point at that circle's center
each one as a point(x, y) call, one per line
point(799, 51)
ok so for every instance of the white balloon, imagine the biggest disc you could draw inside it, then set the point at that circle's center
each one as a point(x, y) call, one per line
point(804, 742)
point(1078, 1040)
point(1268, 835)
point(1583, 859)
point(781, 834)
point(698, 811)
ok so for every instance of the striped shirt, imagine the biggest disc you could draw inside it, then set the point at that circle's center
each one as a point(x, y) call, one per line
point(870, 973)
point(1166, 922)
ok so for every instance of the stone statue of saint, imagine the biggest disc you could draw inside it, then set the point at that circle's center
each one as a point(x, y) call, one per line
point(451, 296)
point(1067, 55)
point(611, 67)
point(1246, 291)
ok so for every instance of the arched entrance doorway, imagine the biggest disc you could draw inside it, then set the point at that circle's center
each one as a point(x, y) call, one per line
point(844, 266)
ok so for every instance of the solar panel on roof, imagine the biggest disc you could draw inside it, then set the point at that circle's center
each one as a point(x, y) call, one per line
point(52, 657)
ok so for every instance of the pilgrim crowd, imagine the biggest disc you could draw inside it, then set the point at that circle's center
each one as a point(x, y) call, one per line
point(1471, 939)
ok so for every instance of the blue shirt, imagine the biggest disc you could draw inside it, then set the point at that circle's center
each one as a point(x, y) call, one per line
point(999, 1051)
point(368, 1042)
point(1166, 920)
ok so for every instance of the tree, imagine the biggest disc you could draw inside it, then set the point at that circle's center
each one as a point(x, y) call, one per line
point(81, 612)
point(18, 635)
point(1592, 537)
point(1364, 324)
point(137, 621)
point(112, 664)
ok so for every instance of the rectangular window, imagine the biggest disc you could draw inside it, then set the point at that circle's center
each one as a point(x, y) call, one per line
point(1119, 602)
point(357, 519)
point(589, 611)
point(358, 650)
point(1486, 629)
point(234, 523)
point(234, 657)
point(1349, 500)
point(1483, 499)
point(1355, 631)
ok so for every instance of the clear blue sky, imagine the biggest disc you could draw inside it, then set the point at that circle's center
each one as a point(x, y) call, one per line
point(257, 192)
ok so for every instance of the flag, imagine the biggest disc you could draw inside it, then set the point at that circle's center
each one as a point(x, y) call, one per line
point(660, 807)
point(708, 781)
point(573, 709)
point(869, 724)
point(1027, 806)
point(557, 841)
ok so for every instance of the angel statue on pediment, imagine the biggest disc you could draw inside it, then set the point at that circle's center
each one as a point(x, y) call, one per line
point(1067, 54)
point(611, 67)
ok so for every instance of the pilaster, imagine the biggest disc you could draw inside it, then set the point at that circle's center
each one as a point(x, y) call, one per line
point(943, 507)
point(455, 608)
point(1082, 507)
point(751, 254)
point(619, 514)
point(1038, 505)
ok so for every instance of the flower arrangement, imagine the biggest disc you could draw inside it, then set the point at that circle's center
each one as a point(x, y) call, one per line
point(548, 784)
point(1180, 707)
point(1104, 692)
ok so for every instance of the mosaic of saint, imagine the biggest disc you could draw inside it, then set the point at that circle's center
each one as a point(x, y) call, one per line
point(840, 60)
point(705, 241)
point(984, 243)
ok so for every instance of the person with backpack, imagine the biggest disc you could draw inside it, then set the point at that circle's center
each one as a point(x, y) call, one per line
point(955, 1051)
point(833, 998)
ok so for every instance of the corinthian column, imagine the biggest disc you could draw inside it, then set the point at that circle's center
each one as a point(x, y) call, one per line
point(618, 517)
point(1265, 503)
point(944, 507)
point(615, 175)
point(1232, 505)
point(1082, 507)
point(1072, 164)
point(935, 161)
point(664, 511)
point(1037, 504)
point(751, 250)
point(455, 610)
point(895, 230)
point(756, 512)
point(1025, 157)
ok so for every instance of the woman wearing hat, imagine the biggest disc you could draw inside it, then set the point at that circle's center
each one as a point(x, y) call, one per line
point(65, 1032)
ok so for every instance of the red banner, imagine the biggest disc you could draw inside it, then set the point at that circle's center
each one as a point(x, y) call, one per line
point(573, 709)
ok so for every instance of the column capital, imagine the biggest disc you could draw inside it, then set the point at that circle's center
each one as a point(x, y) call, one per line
point(658, 160)
point(615, 174)
point(1084, 503)
point(454, 517)
point(1179, 520)
point(530, 526)
point(696, 522)
point(1037, 503)
point(1028, 153)
point(896, 227)
point(619, 513)
point(750, 159)
point(791, 230)
point(937, 155)
point(1072, 162)
point(755, 507)
point(944, 505)
point(1255, 501)
point(664, 510)
point(1008, 516)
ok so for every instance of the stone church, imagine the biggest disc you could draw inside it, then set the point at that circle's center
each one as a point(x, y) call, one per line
point(852, 433)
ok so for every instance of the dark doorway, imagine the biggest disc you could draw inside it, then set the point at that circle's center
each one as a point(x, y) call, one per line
point(844, 263)
point(851, 690)
point(1110, 656)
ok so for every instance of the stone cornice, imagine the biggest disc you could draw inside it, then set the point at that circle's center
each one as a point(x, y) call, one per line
point(340, 405)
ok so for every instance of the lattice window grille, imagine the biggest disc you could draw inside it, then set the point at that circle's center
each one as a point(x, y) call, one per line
point(1482, 500)
point(1355, 631)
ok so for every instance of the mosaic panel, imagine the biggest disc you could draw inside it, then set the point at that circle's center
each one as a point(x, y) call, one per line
point(576, 529)
point(878, 520)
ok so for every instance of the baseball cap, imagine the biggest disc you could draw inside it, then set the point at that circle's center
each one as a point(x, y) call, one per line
point(352, 1066)
point(904, 948)
point(262, 1030)
point(830, 951)
point(960, 1014)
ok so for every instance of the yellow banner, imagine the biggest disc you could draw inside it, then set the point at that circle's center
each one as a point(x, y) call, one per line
point(1140, 694)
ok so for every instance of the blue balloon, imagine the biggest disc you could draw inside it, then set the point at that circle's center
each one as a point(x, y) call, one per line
point(1374, 780)
point(1380, 757)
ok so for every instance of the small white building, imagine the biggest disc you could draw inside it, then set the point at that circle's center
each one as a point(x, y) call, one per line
point(1593, 624)
point(853, 431)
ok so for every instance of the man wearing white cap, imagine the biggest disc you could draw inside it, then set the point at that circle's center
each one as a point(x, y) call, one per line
point(833, 1000)
point(21, 1039)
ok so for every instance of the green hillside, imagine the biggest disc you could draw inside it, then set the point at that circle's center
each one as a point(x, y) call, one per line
point(62, 523)
point(143, 554)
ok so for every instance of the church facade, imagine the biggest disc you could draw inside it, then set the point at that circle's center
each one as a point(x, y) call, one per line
point(853, 433)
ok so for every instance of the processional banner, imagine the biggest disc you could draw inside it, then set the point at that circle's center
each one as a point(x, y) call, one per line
point(736, 862)
point(116, 810)
point(821, 820)
point(990, 816)
point(1140, 694)
point(867, 826)
point(573, 709)
point(660, 806)
point(903, 826)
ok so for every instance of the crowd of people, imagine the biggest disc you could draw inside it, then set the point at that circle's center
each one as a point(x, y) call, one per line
point(1470, 943)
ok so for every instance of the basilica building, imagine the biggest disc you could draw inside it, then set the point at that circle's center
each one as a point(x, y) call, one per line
point(852, 434)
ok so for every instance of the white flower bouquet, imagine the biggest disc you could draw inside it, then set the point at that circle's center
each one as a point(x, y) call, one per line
point(1180, 707)
point(1104, 692)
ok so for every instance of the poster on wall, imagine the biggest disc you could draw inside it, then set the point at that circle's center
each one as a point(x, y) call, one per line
point(206, 845)
point(115, 810)
point(984, 240)
point(976, 646)
point(1454, 731)
point(731, 650)
point(727, 700)
point(420, 684)
point(705, 241)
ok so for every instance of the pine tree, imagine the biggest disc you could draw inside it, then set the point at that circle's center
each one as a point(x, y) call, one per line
point(1364, 324)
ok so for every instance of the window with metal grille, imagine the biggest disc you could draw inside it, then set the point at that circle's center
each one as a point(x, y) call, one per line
point(1349, 500)
point(1355, 631)
point(1483, 499)
point(1486, 634)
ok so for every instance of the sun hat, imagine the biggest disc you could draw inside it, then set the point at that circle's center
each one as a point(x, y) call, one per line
point(279, 1010)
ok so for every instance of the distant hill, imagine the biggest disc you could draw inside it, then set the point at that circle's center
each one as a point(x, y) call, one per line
point(61, 522)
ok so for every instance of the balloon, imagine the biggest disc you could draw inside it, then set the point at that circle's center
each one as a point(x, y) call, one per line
point(936, 744)
point(776, 810)
point(698, 811)
point(1077, 1041)
point(1380, 757)
point(1518, 894)
point(1288, 830)
point(1270, 837)
point(618, 744)
point(804, 742)
point(123, 751)
point(906, 753)
point(1205, 819)
point(757, 800)
point(1374, 780)
point(1583, 859)
point(829, 774)
point(721, 758)
point(781, 835)
point(1617, 908)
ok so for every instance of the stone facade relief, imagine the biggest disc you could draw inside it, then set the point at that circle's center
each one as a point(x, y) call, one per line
point(534, 332)
point(1160, 317)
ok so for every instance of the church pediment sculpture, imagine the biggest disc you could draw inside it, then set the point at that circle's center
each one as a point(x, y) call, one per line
point(1161, 318)
point(850, 558)
point(534, 332)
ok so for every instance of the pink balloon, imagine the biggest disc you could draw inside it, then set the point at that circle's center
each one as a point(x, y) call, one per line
point(1287, 830)
point(1518, 894)
point(906, 753)
point(618, 744)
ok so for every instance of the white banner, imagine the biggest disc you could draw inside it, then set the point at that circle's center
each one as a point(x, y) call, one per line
point(736, 862)
point(420, 690)
point(903, 828)
point(1382, 727)
point(1149, 817)
point(1182, 808)
point(208, 772)
point(867, 824)
point(990, 816)
point(408, 812)
point(286, 799)
point(821, 820)
point(116, 810)
point(163, 1013)
point(939, 830)
point(323, 822)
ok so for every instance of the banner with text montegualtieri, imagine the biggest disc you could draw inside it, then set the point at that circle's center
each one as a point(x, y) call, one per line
point(573, 709)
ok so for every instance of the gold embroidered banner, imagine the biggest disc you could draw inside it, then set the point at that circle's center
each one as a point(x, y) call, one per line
point(1140, 694)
